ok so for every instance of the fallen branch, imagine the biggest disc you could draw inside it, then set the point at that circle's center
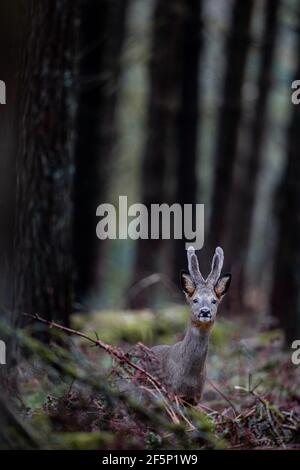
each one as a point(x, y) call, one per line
point(223, 396)
point(117, 354)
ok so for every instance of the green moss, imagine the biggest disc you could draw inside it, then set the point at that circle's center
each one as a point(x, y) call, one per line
point(115, 326)
point(82, 440)
point(148, 326)
point(223, 332)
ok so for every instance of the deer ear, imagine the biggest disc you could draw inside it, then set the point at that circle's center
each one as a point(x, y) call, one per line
point(187, 283)
point(222, 285)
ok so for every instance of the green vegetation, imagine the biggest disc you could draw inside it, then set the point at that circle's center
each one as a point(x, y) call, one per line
point(70, 394)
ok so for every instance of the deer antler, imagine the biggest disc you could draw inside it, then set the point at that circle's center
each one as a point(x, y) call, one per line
point(194, 266)
point(216, 266)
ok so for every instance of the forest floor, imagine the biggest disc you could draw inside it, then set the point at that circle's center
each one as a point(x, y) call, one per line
point(69, 394)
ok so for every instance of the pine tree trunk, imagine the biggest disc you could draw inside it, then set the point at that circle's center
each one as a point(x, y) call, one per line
point(188, 123)
point(45, 163)
point(237, 48)
point(244, 188)
point(11, 38)
point(102, 37)
point(285, 297)
point(162, 125)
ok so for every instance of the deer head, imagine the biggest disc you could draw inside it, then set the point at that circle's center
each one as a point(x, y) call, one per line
point(204, 295)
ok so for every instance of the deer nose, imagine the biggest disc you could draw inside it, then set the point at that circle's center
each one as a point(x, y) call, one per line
point(205, 312)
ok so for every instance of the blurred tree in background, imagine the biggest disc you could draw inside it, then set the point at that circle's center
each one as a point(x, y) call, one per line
point(168, 103)
point(102, 34)
point(186, 150)
point(237, 48)
point(285, 299)
point(244, 185)
point(11, 28)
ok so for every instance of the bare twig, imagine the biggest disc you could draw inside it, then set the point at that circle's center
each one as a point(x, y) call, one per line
point(116, 353)
point(223, 396)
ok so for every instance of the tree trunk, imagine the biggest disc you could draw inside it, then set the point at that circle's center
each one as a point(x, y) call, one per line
point(45, 164)
point(163, 107)
point(229, 118)
point(285, 296)
point(11, 37)
point(102, 36)
point(245, 184)
point(188, 123)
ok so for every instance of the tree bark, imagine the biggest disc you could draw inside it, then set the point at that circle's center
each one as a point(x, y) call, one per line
point(102, 37)
point(285, 296)
point(45, 163)
point(162, 125)
point(188, 123)
point(244, 187)
point(12, 34)
point(229, 118)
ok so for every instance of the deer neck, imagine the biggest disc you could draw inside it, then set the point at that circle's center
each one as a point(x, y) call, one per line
point(195, 347)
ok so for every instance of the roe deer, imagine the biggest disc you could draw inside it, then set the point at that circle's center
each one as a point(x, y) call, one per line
point(182, 366)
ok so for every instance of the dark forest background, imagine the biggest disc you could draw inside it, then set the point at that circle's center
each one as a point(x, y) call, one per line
point(178, 101)
point(162, 101)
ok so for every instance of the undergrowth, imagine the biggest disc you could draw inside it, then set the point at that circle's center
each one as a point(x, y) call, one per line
point(71, 395)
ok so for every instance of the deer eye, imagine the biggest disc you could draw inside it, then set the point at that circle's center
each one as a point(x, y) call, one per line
point(195, 301)
point(213, 301)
